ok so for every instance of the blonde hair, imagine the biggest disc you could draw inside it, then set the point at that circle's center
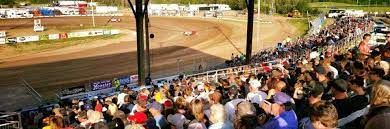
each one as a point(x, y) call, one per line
point(381, 93)
point(56, 122)
point(324, 112)
point(197, 109)
point(217, 113)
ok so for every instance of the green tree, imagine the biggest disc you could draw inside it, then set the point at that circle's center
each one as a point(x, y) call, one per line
point(7, 2)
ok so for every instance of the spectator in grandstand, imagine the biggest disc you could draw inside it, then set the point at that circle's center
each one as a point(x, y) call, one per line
point(321, 75)
point(197, 110)
point(83, 119)
point(218, 118)
point(158, 121)
point(178, 119)
point(282, 109)
point(121, 96)
point(254, 95)
point(323, 115)
point(54, 122)
point(363, 46)
point(245, 117)
point(313, 93)
point(360, 99)
point(339, 90)
point(137, 121)
point(379, 114)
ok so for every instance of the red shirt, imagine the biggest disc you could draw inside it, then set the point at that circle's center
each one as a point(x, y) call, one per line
point(364, 48)
point(99, 107)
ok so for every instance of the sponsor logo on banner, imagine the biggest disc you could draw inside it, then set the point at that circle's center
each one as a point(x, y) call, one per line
point(11, 40)
point(72, 91)
point(43, 37)
point(98, 32)
point(133, 78)
point(2, 40)
point(63, 35)
point(100, 85)
point(54, 36)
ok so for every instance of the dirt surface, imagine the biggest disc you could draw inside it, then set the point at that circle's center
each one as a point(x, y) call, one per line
point(172, 52)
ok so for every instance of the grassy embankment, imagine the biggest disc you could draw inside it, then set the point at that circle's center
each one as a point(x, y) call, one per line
point(326, 6)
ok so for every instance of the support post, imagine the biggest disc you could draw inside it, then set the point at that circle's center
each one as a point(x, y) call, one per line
point(139, 19)
point(249, 34)
point(147, 41)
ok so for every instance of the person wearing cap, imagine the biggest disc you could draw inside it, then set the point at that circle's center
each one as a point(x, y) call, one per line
point(158, 121)
point(254, 95)
point(339, 89)
point(314, 94)
point(137, 121)
point(282, 110)
point(140, 106)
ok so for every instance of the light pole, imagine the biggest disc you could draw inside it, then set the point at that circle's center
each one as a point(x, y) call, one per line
point(93, 15)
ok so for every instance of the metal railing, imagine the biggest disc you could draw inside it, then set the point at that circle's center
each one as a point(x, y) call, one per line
point(10, 120)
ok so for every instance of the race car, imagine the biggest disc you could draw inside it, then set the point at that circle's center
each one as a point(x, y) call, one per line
point(189, 33)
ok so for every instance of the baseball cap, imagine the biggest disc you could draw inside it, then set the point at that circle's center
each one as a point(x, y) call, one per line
point(340, 85)
point(246, 108)
point(321, 70)
point(155, 105)
point(281, 98)
point(168, 104)
point(316, 88)
point(375, 53)
point(142, 97)
point(138, 117)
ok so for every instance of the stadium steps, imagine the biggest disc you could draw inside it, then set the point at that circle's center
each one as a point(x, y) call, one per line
point(14, 95)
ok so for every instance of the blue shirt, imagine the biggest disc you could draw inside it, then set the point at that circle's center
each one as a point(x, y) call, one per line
point(286, 120)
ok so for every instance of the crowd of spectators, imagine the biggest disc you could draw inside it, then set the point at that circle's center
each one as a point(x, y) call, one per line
point(315, 88)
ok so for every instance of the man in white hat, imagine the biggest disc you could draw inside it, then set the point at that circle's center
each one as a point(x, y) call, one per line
point(254, 95)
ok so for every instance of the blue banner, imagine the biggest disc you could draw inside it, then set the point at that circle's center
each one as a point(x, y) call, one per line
point(100, 85)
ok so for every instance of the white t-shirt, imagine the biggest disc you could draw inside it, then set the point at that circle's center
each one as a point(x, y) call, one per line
point(121, 99)
point(230, 108)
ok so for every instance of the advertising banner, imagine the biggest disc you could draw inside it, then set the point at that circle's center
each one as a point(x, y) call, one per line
point(27, 39)
point(2, 40)
point(101, 85)
point(115, 32)
point(43, 37)
point(54, 36)
point(72, 91)
point(2, 34)
point(82, 34)
point(63, 35)
point(121, 81)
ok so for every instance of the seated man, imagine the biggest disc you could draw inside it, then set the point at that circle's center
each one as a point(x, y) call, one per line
point(282, 109)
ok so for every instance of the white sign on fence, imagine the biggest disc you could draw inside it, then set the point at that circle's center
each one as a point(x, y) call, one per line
point(3, 34)
point(54, 36)
point(113, 32)
point(2, 40)
point(27, 39)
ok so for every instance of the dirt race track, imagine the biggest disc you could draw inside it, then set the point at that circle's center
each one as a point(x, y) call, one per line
point(48, 71)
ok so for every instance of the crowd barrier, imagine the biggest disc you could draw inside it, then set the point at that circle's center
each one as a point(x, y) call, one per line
point(10, 120)
point(34, 38)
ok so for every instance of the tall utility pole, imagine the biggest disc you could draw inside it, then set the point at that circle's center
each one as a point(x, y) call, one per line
point(147, 40)
point(249, 33)
point(139, 21)
point(258, 9)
